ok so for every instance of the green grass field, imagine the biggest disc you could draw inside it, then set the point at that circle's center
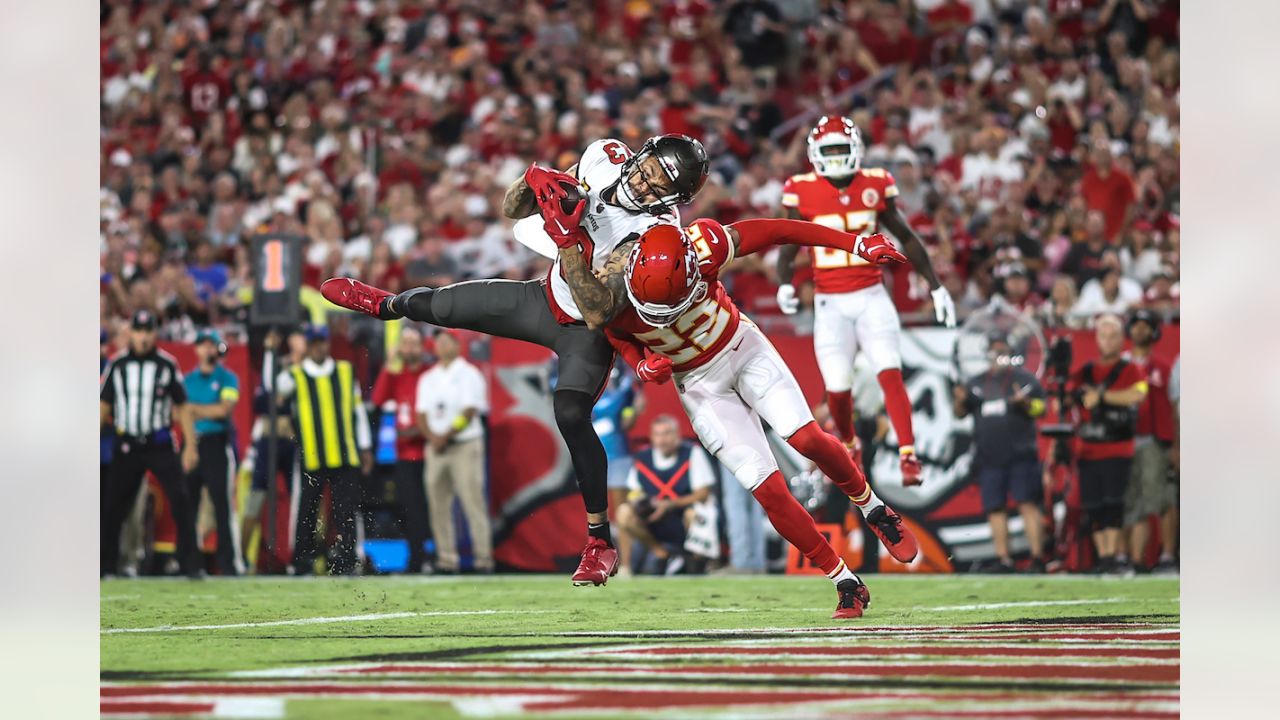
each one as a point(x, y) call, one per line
point(534, 646)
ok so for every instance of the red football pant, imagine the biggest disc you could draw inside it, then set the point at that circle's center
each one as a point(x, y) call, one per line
point(794, 524)
point(897, 405)
point(841, 406)
point(832, 459)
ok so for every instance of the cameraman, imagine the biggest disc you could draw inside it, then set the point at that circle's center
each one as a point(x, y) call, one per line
point(1107, 392)
point(1005, 402)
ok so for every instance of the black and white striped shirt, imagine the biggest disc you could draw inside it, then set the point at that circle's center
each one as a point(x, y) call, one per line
point(142, 390)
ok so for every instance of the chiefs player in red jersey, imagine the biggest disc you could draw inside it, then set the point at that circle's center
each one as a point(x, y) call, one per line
point(853, 311)
point(681, 323)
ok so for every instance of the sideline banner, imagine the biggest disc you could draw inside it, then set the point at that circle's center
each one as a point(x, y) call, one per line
point(538, 515)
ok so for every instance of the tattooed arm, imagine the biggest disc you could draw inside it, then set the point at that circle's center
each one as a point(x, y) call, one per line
point(519, 201)
point(599, 298)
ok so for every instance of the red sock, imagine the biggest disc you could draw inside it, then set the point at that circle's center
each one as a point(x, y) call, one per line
point(832, 459)
point(897, 405)
point(794, 524)
point(841, 406)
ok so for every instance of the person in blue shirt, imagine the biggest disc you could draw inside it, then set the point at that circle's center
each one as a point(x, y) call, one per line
point(212, 393)
point(210, 276)
point(613, 415)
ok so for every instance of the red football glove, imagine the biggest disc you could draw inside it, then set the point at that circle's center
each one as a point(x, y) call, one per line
point(549, 192)
point(539, 179)
point(654, 369)
point(877, 250)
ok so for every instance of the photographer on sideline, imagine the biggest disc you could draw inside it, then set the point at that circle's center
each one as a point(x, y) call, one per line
point(1106, 392)
point(1005, 402)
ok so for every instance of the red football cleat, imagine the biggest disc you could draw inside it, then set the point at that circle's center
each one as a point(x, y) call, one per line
point(912, 470)
point(896, 538)
point(854, 598)
point(355, 295)
point(599, 563)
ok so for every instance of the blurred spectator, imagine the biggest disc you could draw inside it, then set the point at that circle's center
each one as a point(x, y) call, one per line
point(369, 124)
point(1056, 312)
point(1084, 260)
point(666, 481)
point(1108, 189)
point(1162, 294)
point(451, 397)
point(1005, 402)
point(1111, 292)
point(429, 266)
point(396, 392)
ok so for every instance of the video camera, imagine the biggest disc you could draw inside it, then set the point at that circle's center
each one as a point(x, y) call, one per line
point(1056, 376)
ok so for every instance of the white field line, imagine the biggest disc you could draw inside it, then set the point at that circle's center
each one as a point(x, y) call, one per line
point(318, 620)
point(946, 608)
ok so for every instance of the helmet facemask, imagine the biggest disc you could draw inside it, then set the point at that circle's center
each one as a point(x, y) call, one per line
point(665, 202)
point(835, 154)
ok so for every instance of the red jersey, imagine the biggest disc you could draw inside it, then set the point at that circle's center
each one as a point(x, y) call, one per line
point(402, 388)
point(854, 209)
point(702, 331)
point(1129, 377)
point(1155, 414)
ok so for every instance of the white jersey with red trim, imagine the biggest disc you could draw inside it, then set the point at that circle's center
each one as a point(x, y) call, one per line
point(607, 225)
point(706, 328)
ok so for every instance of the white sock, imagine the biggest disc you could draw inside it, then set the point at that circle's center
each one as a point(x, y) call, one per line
point(869, 503)
point(842, 573)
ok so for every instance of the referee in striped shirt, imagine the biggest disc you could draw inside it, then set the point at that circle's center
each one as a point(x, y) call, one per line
point(140, 389)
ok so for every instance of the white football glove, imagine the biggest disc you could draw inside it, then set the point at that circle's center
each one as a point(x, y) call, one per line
point(787, 299)
point(944, 308)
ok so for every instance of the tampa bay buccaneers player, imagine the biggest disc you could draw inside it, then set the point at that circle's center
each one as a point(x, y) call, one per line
point(679, 322)
point(852, 309)
point(619, 196)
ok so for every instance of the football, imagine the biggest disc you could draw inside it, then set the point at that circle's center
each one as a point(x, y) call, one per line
point(573, 192)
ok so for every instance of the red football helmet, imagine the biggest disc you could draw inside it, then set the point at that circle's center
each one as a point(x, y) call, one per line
point(835, 147)
point(663, 279)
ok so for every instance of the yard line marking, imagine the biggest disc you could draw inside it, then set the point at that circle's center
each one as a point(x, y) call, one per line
point(943, 608)
point(318, 620)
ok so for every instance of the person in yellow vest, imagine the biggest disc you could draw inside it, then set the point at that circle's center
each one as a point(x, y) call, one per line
point(334, 447)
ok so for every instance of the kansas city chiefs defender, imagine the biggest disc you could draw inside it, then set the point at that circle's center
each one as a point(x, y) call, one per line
point(852, 309)
point(616, 196)
point(681, 323)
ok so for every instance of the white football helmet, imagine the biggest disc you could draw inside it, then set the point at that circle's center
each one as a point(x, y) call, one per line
point(835, 147)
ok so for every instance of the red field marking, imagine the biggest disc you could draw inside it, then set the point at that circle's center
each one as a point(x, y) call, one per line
point(577, 699)
point(1014, 673)
point(156, 708)
point(1075, 712)
point(890, 651)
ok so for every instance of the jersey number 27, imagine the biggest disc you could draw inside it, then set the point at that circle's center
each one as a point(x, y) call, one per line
point(858, 222)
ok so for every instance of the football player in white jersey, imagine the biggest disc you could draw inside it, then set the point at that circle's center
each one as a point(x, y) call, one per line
point(606, 200)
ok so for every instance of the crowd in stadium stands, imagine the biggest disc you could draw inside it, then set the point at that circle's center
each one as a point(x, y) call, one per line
point(1035, 143)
